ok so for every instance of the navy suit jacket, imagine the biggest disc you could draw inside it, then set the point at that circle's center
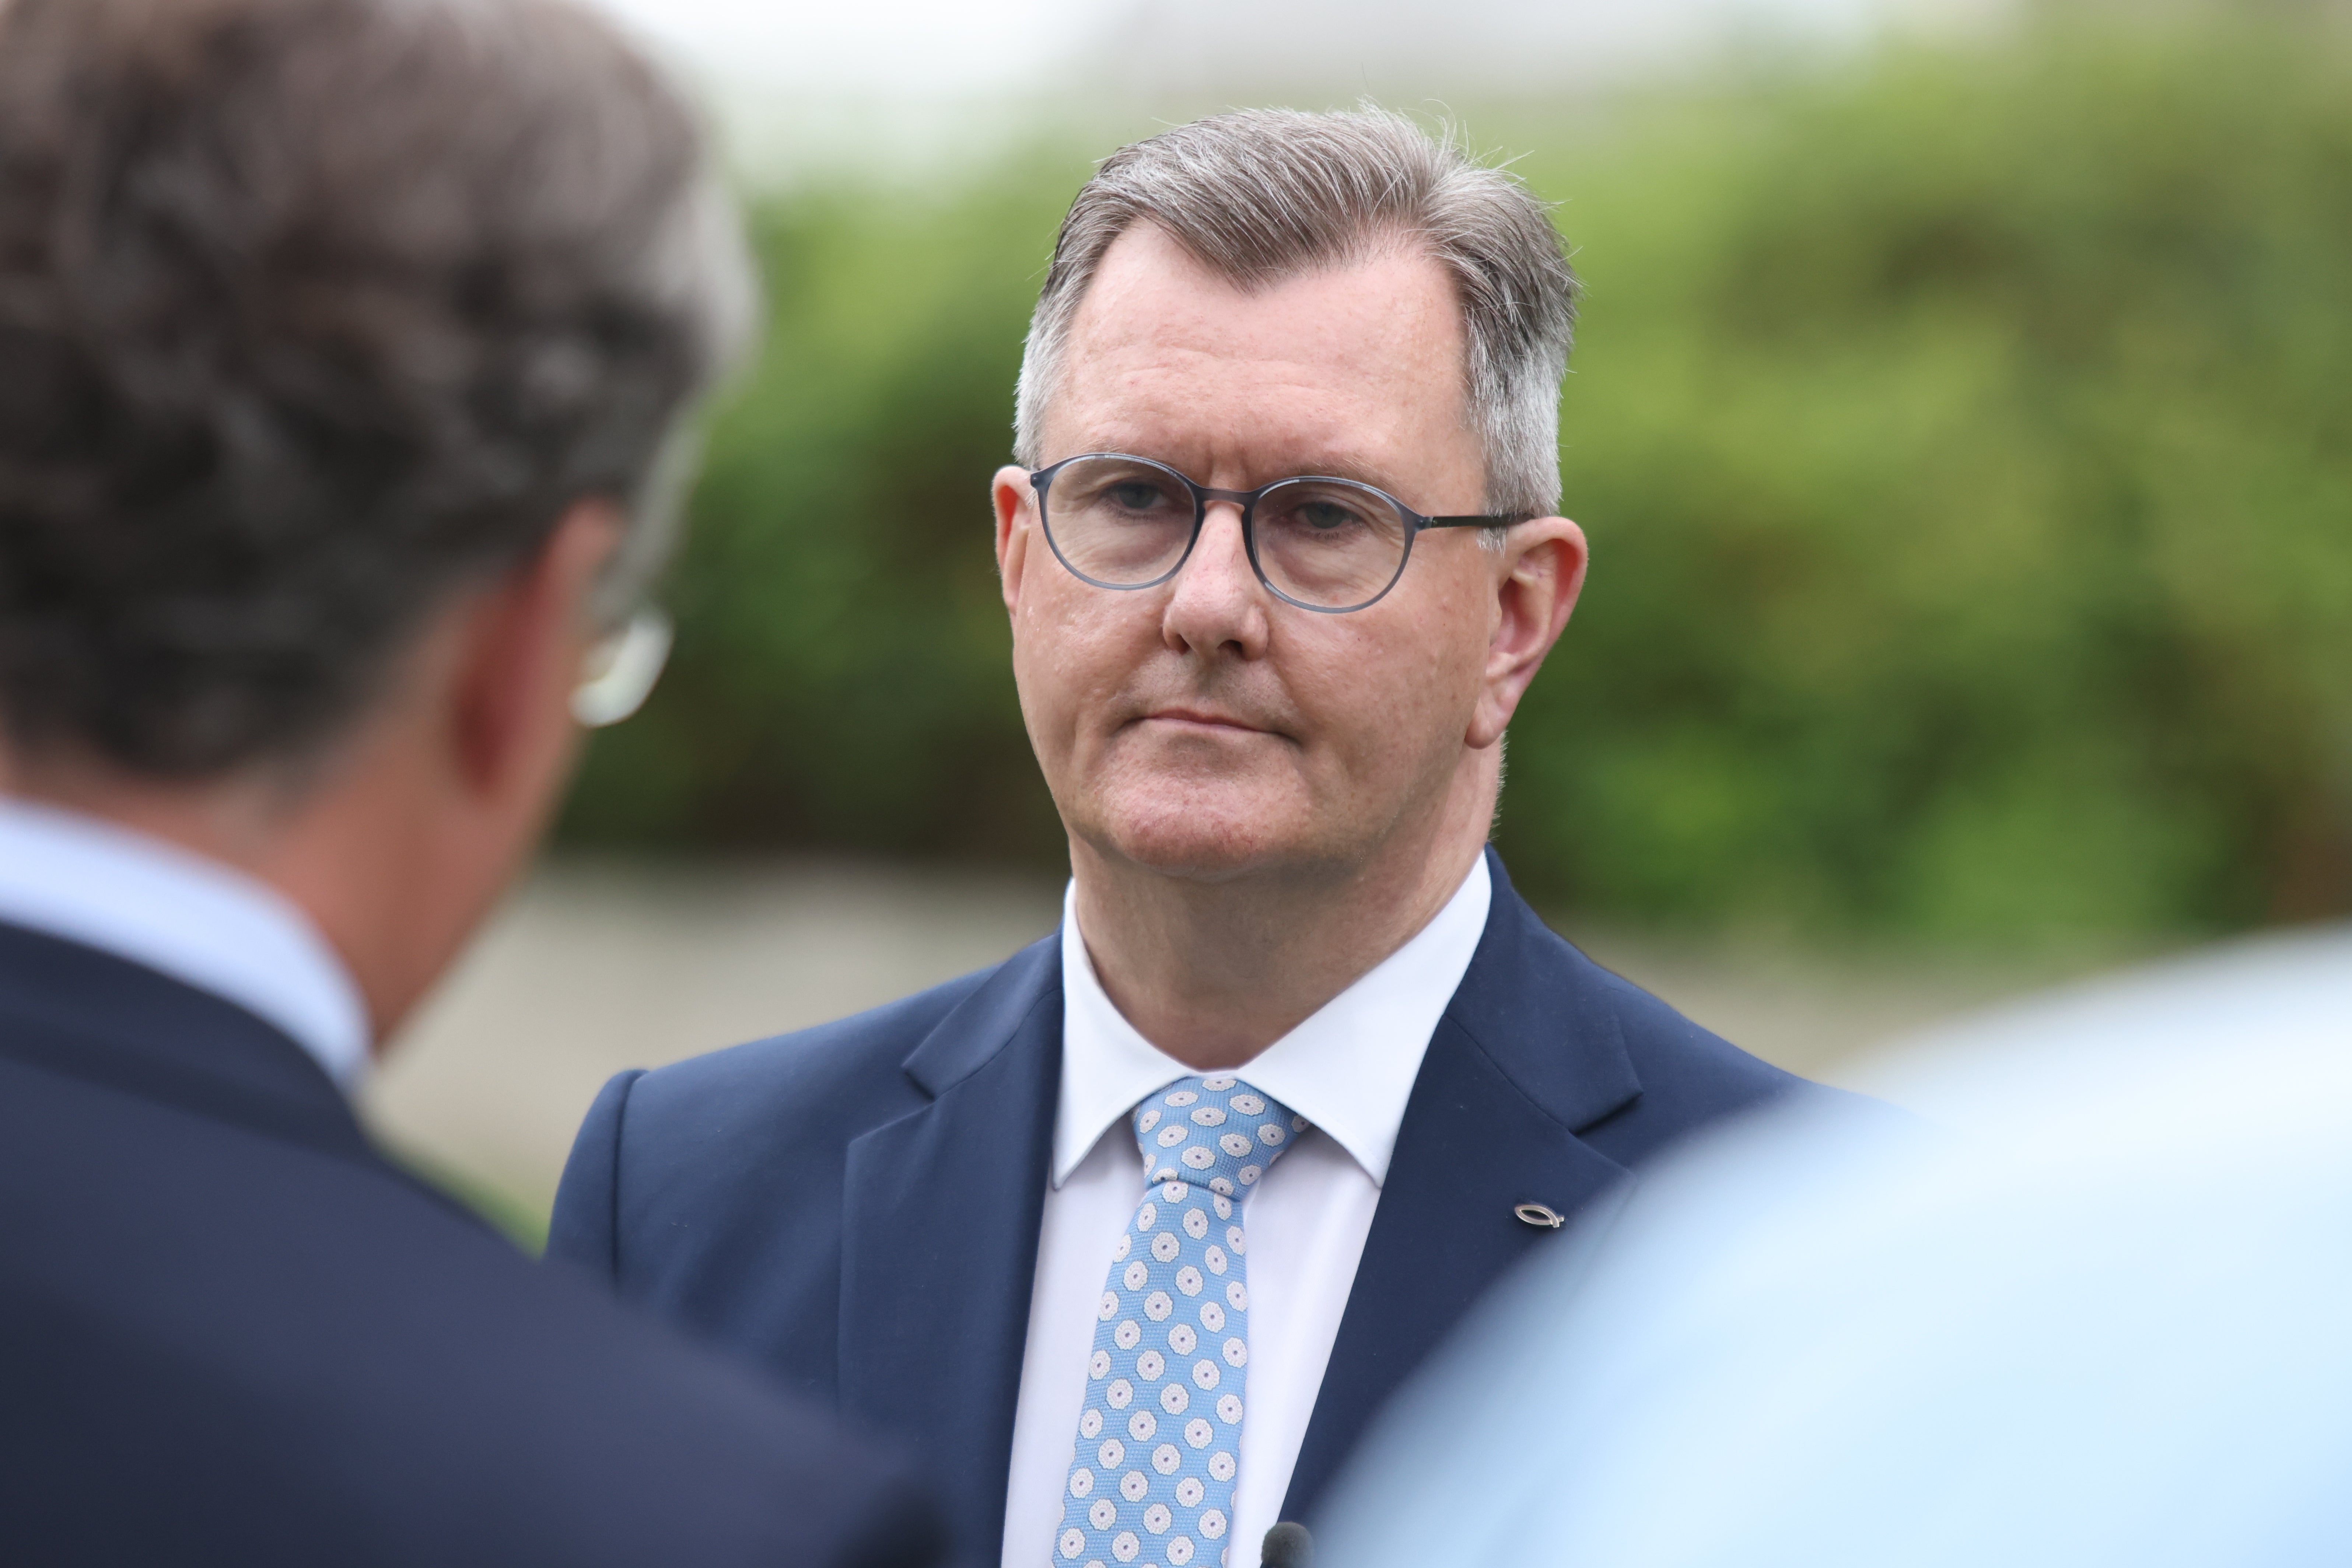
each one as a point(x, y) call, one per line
point(231, 1333)
point(857, 1206)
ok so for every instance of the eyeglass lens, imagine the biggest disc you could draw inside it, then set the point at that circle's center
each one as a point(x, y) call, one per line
point(1125, 523)
point(1119, 520)
point(621, 670)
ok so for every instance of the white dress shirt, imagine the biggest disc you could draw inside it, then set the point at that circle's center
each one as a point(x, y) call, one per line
point(181, 914)
point(1348, 1069)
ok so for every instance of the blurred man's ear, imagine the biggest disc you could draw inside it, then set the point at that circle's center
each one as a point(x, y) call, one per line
point(519, 657)
point(442, 795)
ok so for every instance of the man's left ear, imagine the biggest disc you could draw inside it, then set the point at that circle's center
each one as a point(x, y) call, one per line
point(1537, 578)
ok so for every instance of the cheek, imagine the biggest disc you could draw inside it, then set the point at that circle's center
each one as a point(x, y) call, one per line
point(1386, 697)
point(1454, 633)
point(1075, 647)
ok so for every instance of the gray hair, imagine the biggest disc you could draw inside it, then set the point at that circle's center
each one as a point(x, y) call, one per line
point(311, 312)
point(1263, 194)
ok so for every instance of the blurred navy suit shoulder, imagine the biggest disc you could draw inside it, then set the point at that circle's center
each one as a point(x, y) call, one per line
point(230, 1332)
point(857, 1206)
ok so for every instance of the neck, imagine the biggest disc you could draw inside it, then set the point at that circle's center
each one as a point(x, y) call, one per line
point(251, 822)
point(1213, 972)
point(351, 845)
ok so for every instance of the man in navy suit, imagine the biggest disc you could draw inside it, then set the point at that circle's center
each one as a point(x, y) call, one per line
point(340, 344)
point(1281, 557)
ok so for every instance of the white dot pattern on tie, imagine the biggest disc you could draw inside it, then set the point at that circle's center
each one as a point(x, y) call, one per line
point(1151, 1475)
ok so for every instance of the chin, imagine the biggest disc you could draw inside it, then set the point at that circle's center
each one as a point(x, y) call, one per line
point(1204, 834)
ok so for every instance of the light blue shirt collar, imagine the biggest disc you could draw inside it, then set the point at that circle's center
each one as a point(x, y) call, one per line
point(181, 914)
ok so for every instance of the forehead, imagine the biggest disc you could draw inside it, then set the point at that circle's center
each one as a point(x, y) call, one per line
point(1354, 367)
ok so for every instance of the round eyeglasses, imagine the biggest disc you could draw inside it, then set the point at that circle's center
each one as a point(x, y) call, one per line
point(621, 669)
point(1323, 544)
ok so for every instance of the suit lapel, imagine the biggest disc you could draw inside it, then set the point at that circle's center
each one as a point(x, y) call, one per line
point(1527, 1054)
point(942, 1210)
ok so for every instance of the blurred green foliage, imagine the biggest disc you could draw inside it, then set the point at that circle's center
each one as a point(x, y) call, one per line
point(1965, 437)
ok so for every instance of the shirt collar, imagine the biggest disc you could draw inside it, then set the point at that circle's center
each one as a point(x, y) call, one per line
point(1348, 1069)
point(181, 914)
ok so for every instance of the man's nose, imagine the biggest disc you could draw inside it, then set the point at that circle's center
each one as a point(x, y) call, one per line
point(1218, 600)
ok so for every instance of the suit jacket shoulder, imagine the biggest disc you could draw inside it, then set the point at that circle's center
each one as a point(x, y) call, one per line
point(230, 1330)
point(687, 1181)
point(1592, 1048)
point(1689, 1076)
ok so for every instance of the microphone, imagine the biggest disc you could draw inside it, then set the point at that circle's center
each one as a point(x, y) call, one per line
point(1287, 1545)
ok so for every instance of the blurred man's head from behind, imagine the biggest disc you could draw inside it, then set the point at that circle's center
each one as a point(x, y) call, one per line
point(340, 344)
point(1248, 298)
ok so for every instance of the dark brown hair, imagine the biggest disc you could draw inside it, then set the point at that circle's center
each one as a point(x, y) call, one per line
point(310, 310)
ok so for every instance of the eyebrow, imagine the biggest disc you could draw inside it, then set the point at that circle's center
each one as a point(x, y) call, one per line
point(1341, 468)
point(1327, 467)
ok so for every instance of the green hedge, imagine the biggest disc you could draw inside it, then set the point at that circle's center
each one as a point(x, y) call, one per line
point(1965, 439)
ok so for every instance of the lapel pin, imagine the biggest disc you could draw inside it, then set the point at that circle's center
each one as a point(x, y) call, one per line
point(1540, 1216)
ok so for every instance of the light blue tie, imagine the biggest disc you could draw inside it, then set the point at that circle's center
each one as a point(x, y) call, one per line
point(1152, 1473)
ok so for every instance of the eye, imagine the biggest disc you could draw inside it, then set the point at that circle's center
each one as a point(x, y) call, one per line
point(1324, 516)
point(1135, 495)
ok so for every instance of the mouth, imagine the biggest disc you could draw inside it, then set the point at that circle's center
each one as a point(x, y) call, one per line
point(1202, 719)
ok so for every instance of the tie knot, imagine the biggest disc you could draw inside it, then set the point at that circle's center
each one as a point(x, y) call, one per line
point(1215, 1132)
